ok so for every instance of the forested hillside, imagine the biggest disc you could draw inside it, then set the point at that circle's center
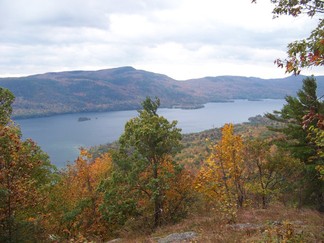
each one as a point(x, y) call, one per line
point(261, 181)
point(124, 88)
point(249, 181)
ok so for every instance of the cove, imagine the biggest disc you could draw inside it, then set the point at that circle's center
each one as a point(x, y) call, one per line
point(61, 136)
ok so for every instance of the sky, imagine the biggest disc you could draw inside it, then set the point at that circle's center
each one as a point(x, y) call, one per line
point(183, 39)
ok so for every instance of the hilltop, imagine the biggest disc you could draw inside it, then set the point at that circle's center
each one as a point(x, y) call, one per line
point(125, 88)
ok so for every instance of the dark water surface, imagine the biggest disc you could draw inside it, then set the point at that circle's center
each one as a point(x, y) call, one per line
point(61, 136)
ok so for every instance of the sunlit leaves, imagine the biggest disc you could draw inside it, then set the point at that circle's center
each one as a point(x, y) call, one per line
point(221, 179)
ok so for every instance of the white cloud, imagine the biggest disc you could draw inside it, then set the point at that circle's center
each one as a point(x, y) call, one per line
point(182, 39)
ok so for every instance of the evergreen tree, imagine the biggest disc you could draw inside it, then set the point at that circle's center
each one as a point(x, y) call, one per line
point(297, 139)
point(291, 116)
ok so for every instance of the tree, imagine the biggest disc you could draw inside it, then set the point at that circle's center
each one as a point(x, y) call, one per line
point(316, 134)
point(6, 100)
point(221, 178)
point(148, 142)
point(297, 139)
point(291, 115)
point(270, 171)
point(307, 52)
point(26, 177)
point(297, 7)
point(77, 199)
point(120, 198)
point(260, 177)
point(179, 194)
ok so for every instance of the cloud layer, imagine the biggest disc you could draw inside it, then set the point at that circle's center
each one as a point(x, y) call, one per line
point(183, 39)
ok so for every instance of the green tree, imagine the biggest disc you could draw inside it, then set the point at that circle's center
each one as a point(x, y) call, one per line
point(305, 53)
point(291, 115)
point(147, 144)
point(6, 100)
point(297, 139)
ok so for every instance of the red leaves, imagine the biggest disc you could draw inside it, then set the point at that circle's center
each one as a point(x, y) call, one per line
point(313, 116)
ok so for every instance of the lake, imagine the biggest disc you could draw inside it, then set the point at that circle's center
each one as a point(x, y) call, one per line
point(61, 136)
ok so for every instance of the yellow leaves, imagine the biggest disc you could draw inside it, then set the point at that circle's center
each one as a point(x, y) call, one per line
point(290, 67)
point(31, 219)
point(101, 166)
point(221, 175)
point(85, 153)
point(230, 146)
point(320, 169)
point(84, 176)
point(198, 184)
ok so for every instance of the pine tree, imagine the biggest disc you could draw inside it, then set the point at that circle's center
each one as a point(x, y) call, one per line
point(297, 139)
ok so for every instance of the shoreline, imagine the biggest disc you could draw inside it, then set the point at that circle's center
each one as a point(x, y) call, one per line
point(182, 107)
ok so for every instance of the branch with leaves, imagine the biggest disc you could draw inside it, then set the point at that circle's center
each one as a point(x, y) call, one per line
point(308, 52)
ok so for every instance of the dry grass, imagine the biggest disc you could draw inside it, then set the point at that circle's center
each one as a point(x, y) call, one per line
point(275, 224)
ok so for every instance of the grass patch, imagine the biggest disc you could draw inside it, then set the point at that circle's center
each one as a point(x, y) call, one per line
point(275, 224)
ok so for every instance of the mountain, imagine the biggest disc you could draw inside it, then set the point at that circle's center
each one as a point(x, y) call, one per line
point(125, 88)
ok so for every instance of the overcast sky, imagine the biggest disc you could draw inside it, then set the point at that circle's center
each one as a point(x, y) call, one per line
point(180, 38)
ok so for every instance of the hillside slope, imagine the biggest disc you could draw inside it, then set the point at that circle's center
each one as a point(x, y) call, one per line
point(124, 88)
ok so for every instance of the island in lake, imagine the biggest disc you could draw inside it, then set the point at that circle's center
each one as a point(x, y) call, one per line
point(188, 107)
point(81, 119)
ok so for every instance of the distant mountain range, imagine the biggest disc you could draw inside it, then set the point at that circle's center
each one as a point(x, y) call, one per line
point(125, 88)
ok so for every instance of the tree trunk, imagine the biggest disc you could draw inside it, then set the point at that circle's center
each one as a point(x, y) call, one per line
point(157, 212)
point(9, 210)
point(156, 195)
point(264, 201)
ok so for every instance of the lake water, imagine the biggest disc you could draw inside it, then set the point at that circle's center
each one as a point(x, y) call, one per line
point(61, 136)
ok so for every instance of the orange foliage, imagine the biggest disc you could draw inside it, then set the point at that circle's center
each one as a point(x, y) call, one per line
point(176, 189)
point(81, 197)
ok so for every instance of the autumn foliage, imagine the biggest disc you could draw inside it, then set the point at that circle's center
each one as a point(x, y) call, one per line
point(220, 179)
point(25, 177)
point(77, 198)
point(140, 184)
point(137, 185)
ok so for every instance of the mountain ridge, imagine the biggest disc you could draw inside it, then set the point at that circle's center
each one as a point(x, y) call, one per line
point(125, 88)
